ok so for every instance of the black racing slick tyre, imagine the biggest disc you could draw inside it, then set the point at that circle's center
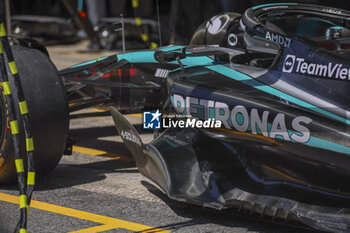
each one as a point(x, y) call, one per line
point(48, 113)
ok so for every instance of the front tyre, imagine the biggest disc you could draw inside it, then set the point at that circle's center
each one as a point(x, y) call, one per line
point(48, 113)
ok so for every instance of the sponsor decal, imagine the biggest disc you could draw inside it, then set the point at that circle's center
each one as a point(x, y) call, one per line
point(217, 24)
point(151, 120)
point(278, 39)
point(289, 63)
point(330, 70)
point(130, 137)
point(161, 73)
point(187, 121)
point(232, 39)
point(332, 11)
point(243, 119)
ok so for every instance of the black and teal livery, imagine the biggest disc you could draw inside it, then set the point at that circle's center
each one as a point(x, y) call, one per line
point(282, 94)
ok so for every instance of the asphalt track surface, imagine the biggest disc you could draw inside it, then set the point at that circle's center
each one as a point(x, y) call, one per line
point(98, 189)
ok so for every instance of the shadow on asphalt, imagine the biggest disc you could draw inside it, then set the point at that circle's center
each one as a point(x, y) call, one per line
point(69, 173)
point(92, 138)
point(65, 176)
point(230, 217)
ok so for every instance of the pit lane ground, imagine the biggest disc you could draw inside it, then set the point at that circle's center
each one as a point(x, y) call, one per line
point(98, 188)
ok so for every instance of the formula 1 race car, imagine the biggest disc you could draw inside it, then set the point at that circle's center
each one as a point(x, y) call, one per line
point(277, 82)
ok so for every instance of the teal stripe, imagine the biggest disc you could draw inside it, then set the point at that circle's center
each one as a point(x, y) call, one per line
point(148, 57)
point(273, 4)
point(88, 62)
point(319, 143)
point(322, 144)
point(195, 61)
point(83, 64)
point(80, 5)
point(233, 74)
point(171, 48)
point(138, 57)
point(327, 145)
point(337, 27)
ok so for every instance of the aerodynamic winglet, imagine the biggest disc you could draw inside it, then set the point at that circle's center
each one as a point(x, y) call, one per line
point(128, 133)
point(147, 157)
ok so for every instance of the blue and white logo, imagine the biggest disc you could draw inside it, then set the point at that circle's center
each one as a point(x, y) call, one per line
point(288, 63)
point(151, 120)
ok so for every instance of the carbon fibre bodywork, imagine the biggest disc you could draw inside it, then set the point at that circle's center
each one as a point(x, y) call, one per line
point(269, 174)
point(284, 148)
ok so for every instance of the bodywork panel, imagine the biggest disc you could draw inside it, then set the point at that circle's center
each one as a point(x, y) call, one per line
point(286, 154)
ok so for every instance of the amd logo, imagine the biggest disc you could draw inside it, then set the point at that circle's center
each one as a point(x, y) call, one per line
point(281, 40)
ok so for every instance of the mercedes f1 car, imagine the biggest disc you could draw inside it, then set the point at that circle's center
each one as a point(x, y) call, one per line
point(278, 82)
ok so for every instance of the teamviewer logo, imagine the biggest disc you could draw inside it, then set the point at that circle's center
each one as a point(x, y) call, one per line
point(288, 64)
point(151, 120)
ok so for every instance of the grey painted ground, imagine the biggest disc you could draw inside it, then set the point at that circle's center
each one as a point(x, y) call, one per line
point(115, 188)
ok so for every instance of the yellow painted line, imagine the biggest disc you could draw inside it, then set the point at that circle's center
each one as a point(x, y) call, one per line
point(135, 114)
point(72, 104)
point(102, 153)
point(109, 221)
point(95, 229)
point(100, 109)
point(107, 110)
